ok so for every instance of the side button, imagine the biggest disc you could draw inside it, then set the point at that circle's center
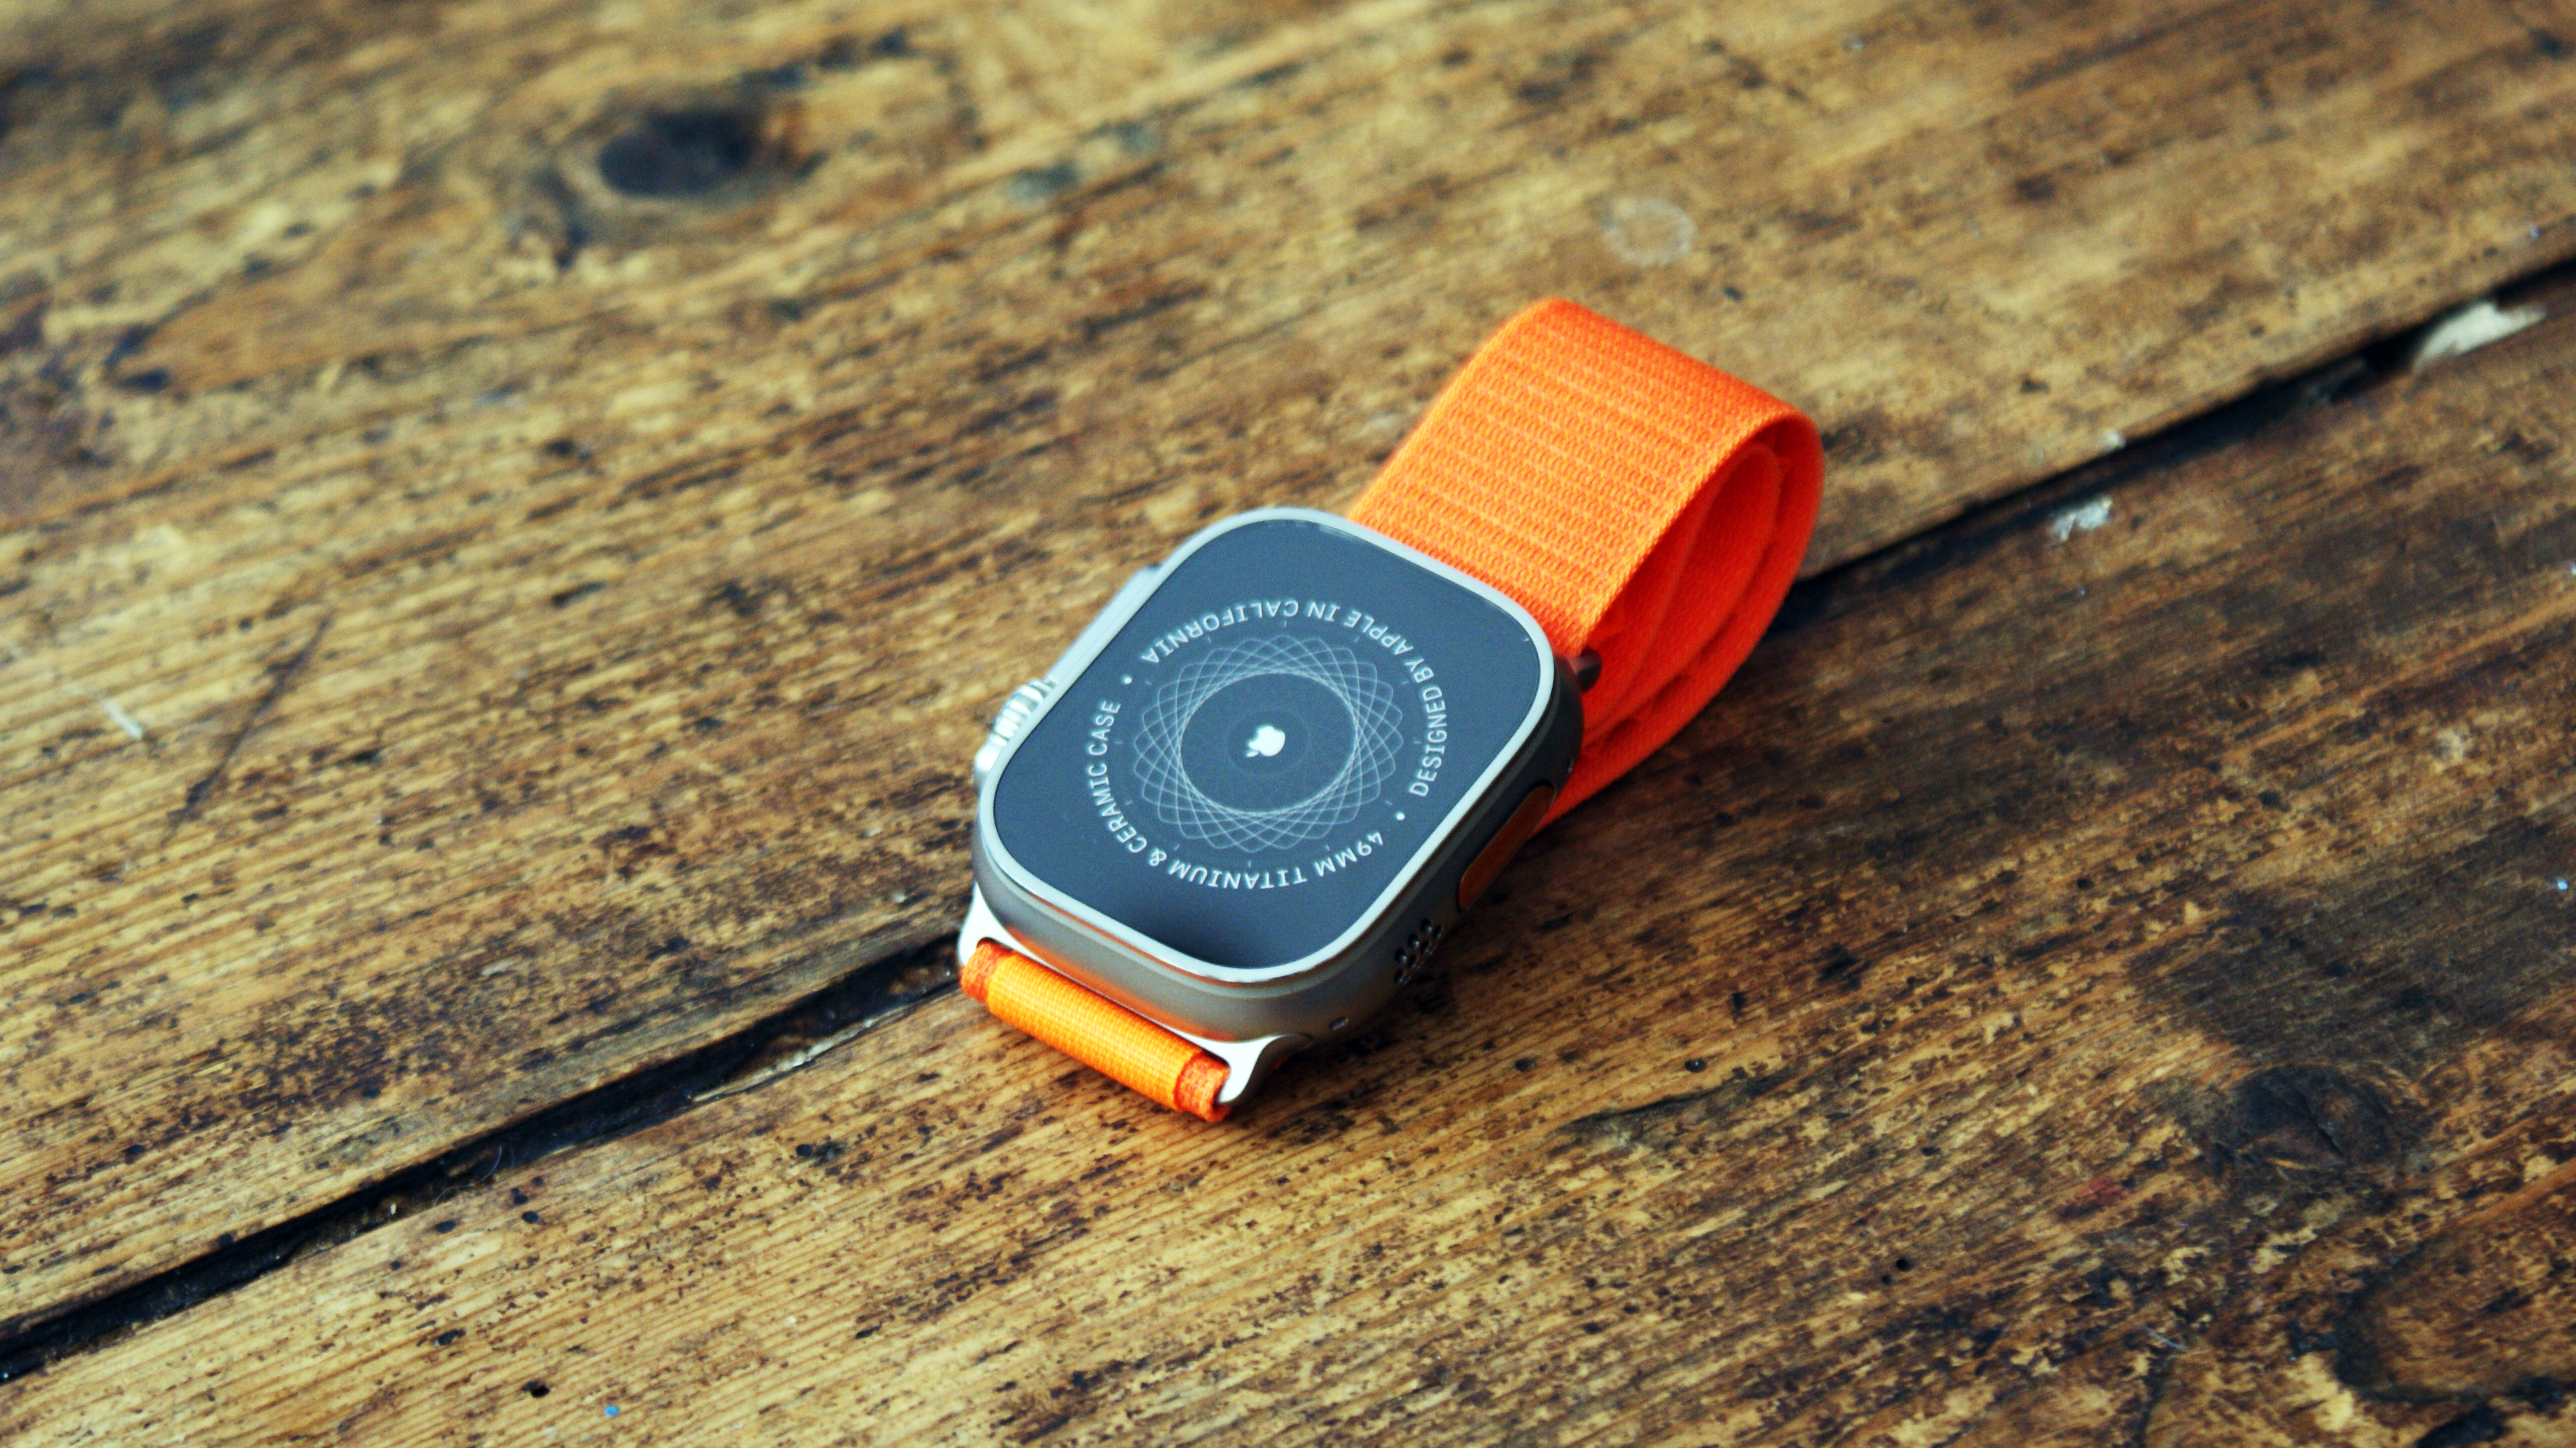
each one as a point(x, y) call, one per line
point(1499, 850)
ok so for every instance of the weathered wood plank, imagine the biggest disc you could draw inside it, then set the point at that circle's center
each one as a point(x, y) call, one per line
point(554, 616)
point(2107, 975)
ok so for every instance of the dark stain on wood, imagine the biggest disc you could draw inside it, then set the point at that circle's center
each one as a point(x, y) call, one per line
point(720, 147)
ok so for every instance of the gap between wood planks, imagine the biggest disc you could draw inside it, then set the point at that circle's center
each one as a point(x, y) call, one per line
point(886, 989)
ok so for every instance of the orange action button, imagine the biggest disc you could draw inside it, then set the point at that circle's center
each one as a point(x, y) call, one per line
point(1506, 842)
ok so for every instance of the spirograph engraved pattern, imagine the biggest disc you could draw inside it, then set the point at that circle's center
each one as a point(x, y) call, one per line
point(1377, 732)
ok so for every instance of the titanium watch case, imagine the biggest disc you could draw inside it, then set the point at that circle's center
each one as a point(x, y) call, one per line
point(1253, 1017)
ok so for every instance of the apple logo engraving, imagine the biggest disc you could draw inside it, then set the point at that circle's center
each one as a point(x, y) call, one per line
point(1266, 742)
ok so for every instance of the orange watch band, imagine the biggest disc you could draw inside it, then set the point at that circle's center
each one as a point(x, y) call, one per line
point(1100, 1033)
point(1637, 501)
point(1641, 504)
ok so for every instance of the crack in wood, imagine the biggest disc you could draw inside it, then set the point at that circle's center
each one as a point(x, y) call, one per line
point(282, 677)
point(776, 1046)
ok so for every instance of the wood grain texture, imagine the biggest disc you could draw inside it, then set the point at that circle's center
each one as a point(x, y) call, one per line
point(2105, 976)
point(555, 488)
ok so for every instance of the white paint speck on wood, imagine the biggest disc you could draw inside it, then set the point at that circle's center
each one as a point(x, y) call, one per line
point(2082, 518)
point(2472, 327)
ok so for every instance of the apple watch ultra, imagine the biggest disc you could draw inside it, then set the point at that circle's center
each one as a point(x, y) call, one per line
point(1248, 804)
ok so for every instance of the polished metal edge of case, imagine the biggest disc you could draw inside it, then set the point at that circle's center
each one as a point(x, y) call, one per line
point(1324, 994)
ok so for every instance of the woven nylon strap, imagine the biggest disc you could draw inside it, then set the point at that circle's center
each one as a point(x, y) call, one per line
point(1101, 1034)
point(1639, 503)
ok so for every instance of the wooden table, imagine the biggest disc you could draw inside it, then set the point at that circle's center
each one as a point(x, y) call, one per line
point(517, 514)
